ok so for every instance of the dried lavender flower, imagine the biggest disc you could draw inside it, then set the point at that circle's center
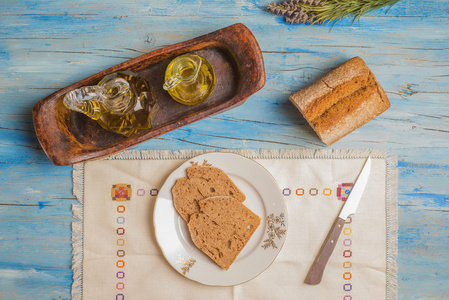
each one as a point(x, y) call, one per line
point(294, 10)
point(321, 11)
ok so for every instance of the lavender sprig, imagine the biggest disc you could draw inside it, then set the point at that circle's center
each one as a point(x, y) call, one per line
point(297, 11)
point(321, 11)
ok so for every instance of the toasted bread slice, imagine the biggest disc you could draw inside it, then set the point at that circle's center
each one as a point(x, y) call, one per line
point(185, 198)
point(212, 181)
point(202, 182)
point(222, 228)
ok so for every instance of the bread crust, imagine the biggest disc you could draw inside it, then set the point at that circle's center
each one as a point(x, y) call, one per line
point(342, 100)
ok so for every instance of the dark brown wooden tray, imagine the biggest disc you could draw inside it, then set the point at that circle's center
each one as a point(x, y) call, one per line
point(68, 137)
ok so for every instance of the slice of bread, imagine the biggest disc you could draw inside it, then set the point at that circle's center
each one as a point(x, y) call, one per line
point(202, 181)
point(222, 228)
point(212, 181)
point(185, 197)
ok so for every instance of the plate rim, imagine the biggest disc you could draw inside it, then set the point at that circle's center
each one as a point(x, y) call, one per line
point(205, 156)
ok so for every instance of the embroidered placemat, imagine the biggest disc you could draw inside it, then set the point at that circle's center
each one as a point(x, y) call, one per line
point(116, 256)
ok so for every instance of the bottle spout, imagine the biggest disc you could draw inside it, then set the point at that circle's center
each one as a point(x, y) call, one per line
point(85, 100)
point(171, 83)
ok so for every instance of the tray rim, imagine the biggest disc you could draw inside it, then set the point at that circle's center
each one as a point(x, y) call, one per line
point(245, 90)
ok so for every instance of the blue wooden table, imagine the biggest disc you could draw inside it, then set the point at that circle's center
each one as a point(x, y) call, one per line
point(47, 45)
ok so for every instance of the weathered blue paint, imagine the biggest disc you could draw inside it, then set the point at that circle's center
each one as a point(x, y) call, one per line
point(46, 47)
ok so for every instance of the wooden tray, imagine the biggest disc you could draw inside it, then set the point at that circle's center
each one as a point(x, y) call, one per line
point(68, 137)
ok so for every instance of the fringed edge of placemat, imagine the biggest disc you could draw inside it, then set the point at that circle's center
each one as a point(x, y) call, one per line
point(391, 197)
point(257, 154)
point(77, 232)
point(392, 226)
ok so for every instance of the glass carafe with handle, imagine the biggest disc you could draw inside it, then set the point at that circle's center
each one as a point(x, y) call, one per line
point(121, 102)
point(189, 79)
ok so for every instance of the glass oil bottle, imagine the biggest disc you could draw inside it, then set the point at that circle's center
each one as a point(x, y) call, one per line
point(189, 79)
point(121, 102)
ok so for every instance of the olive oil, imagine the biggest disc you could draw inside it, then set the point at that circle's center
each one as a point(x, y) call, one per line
point(189, 79)
point(121, 102)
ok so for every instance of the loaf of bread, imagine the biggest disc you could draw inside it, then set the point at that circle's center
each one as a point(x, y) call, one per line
point(222, 228)
point(341, 101)
point(202, 181)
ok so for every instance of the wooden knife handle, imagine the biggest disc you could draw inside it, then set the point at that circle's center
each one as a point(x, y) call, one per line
point(317, 269)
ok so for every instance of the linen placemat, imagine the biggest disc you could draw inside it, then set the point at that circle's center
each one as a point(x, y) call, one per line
point(116, 255)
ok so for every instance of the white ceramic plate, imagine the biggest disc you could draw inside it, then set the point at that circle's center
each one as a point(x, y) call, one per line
point(263, 197)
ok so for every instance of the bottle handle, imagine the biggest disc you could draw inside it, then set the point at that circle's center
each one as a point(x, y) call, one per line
point(178, 64)
point(171, 82)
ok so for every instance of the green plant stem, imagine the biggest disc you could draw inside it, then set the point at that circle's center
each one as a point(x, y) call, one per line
point(335, 10)
point(322, 11)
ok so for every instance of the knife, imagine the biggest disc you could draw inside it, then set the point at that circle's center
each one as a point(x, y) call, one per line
point(316, 271)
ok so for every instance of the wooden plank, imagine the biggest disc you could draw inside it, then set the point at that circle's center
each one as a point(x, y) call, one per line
point(46, 47)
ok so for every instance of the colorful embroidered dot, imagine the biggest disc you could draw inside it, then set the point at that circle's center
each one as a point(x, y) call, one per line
point(121, 192)
point(344, 190)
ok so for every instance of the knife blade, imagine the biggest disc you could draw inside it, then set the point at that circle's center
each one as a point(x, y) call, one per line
point(352, 202)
